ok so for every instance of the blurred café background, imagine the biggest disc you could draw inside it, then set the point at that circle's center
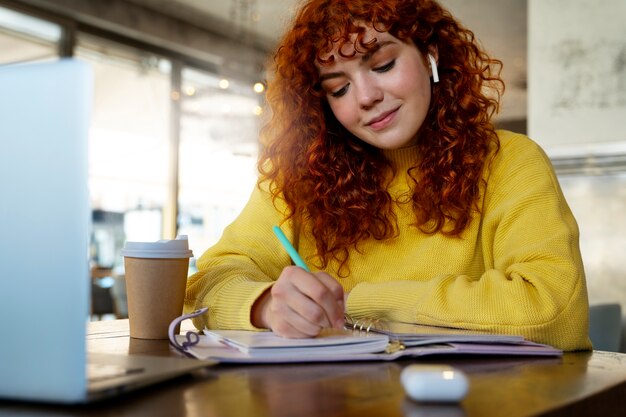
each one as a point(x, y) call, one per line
point(179, 94)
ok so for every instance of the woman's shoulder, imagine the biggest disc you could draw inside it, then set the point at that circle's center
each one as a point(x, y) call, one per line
point(518, 141)
point(519, 147)
point(519, 158)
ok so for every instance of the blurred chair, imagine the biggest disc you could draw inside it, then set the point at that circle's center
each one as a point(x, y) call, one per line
point(118, 293)
point(101, 300)
point(605, 326)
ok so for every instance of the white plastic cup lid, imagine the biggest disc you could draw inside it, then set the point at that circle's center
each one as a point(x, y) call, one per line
point(178, 248)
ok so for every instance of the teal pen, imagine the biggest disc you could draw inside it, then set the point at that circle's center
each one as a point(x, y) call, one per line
point(290, 249)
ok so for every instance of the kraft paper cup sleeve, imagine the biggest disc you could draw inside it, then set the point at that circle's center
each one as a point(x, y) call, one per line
point(156, 278)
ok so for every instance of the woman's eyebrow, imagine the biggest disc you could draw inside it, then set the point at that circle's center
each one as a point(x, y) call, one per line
point(364, 58)
point(368, 55)
point(329, 75)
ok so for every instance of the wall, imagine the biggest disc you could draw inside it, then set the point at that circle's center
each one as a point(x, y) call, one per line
point(500, 27)
point(577, 73)
point(577, 112)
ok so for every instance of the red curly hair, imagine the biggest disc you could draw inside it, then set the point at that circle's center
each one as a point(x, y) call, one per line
point(335, 182)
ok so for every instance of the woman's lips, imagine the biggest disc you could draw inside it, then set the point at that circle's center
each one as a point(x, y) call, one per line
point(384, 120)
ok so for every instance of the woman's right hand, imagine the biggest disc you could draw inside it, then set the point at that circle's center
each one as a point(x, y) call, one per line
point(300, 304)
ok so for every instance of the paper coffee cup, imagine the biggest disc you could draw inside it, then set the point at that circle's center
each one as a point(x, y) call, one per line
point(156, 278)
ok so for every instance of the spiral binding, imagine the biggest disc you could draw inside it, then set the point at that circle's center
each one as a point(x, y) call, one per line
point(366, 325)
point(362, 325)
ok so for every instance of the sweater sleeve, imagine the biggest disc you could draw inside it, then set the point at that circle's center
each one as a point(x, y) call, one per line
point(240, 267)
point(532, 281)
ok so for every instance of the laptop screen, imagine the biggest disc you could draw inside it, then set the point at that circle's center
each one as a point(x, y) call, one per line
point(44, 218)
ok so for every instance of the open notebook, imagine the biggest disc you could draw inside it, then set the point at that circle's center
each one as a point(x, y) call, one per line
point(355, 343)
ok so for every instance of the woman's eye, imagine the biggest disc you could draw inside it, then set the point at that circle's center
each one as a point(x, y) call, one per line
point(386, 67)
point(340, 92)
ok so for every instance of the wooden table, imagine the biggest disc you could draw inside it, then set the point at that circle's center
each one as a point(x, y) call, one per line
point(578, 384)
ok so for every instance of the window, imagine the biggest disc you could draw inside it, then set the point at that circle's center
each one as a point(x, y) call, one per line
point(129, 145)
point(25, 38)
point(150, 109)
point(218, 153)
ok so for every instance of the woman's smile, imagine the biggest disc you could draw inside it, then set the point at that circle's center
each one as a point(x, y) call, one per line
point(384, 120)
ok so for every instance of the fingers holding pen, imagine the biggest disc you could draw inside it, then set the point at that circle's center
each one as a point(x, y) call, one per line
point(309, 301)
point(304, 303)
point(334, 305)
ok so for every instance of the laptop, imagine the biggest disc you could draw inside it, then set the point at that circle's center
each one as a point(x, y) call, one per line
point(45, 224)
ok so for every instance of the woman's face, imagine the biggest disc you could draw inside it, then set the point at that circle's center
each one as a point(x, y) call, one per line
point(381, 96)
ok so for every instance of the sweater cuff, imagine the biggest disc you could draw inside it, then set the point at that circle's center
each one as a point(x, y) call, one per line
point(232, 309)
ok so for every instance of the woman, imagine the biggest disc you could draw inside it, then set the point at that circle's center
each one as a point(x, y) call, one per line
point(382, 166)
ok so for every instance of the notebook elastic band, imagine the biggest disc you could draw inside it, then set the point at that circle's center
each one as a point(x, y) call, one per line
point(193, 338)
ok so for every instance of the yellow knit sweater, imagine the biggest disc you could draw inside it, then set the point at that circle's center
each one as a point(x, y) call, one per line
point(516, 269)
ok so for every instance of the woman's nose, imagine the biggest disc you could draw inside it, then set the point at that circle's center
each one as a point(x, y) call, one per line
point(368, 93)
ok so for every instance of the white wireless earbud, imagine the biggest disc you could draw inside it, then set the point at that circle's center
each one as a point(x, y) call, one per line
point(434, 383)
point(433, 68)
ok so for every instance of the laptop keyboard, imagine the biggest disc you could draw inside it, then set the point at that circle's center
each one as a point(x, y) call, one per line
point(101, 372)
